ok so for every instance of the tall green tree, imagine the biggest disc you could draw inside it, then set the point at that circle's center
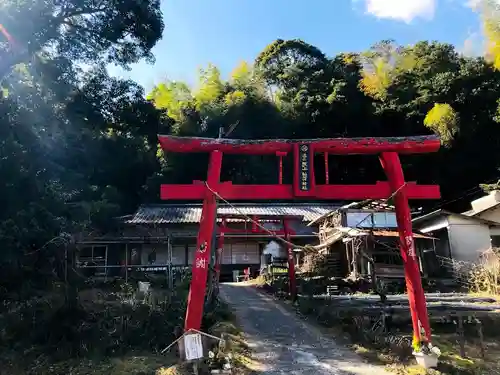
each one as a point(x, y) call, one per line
point(66, 135)
point(110, 31)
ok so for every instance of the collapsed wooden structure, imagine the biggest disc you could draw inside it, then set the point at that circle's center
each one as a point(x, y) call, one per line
point(363, 237)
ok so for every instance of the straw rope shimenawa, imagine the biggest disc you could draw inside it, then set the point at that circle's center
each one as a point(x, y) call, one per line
point(306, 248)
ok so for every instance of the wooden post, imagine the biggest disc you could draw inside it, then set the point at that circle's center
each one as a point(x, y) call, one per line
point(461, 335)
point(354, 258)
point(106, 264)
point(280, 155)
point(348, 256)
point(169, 264)
point(66, 264)
point(481, 337)
point(291, 264)
point(126, 262)
point(219, 252)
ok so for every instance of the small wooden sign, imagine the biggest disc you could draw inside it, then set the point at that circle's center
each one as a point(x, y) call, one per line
point(278, 270)
point(193, 347)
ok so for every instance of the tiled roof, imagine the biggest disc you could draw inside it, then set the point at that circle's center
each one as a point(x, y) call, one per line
point(191, 213)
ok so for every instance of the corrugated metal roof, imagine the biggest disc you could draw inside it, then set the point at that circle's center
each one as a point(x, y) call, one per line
point(189, 213)
point(474, 212)
point(395, 233)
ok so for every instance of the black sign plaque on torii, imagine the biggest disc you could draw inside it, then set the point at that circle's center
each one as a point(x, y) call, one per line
point(304, 167)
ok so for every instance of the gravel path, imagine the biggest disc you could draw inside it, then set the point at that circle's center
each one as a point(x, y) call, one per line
point(282, 343)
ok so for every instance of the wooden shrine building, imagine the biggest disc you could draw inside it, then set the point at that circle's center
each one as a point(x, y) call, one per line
point(161, 239)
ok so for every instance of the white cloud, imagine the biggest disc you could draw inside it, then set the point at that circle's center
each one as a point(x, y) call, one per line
point(473, 46)
point(402, 10)
point(473, 3)
point(476, 4)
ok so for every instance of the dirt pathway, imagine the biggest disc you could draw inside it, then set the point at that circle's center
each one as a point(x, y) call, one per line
point(284, 344)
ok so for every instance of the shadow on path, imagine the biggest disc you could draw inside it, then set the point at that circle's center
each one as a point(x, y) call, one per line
point(283, 343)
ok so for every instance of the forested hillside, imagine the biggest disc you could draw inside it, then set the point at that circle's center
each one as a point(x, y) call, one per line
point(79, 146)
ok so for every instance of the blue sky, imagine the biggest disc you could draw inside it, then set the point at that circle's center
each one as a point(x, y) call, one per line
point(225, 32)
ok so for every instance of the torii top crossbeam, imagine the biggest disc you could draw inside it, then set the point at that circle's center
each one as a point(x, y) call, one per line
point(303, 152)
point(338, 146)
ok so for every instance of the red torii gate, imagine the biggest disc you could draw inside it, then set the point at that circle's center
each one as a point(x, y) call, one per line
point(258, 228)
point(304, 186)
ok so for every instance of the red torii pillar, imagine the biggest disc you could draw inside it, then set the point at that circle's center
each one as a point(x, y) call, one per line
point(304, 186)
point(196, 297)
point(416, 298)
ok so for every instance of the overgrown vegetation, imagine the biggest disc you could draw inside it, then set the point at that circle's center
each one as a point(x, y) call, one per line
point(103, 326)
point(110, 328)
point(484, 277)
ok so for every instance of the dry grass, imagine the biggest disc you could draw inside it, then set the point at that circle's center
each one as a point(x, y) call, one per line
point(450, 362)
point(399, 360)
point(484, 276)
point(479, 278)
point(236, 344)
point(130, 364)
